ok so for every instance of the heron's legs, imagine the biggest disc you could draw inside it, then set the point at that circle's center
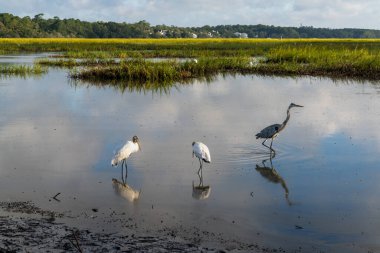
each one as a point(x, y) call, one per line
point(264, 143)
point(270, 147)
point(271, 156)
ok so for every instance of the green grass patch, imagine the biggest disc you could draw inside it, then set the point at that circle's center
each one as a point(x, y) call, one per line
point(356, 63)
point(21, 70)
point(168, 71)
point(123, 59)
point(70, 62)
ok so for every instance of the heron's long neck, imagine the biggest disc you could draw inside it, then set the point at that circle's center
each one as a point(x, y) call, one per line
point(286, 120)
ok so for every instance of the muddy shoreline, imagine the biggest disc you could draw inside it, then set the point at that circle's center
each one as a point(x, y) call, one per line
point(28, 228)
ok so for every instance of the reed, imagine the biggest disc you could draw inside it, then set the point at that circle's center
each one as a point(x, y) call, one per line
point(121, 59)
point(21, 70)
point(167, 71)
point(70, 63)
point(358, 63)
point(204, 46)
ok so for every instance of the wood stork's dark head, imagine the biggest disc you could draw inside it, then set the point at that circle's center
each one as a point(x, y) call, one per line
point(193, 143)
point(294, 105)
point(135, 139)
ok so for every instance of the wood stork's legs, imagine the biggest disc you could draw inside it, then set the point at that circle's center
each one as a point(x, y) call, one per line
point(201, 178)
point(200, 165)
point(124, 163)
point(126, 170)
point(200, 174)
point(122, 170)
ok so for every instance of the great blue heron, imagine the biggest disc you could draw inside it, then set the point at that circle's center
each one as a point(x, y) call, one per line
point(122, 155)
point(202, 152)
point(272, 131)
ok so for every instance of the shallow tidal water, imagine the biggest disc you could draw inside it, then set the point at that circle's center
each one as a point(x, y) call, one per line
point(318, 193)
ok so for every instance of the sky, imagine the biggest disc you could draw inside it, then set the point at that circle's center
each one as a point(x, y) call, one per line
point(195, 13)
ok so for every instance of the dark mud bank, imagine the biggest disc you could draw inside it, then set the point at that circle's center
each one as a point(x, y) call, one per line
point(28, 228)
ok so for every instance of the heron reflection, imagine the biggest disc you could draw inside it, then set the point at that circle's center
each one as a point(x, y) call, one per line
point(272, 175)
point(124, 190)
point(201, 191)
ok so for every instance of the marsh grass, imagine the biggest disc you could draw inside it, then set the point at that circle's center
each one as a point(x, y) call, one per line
point(359, 63)
point(70, 63)
point(168, 71)
point(21, 70)
point(358, 58)
point(176, 46)
point(139, 86)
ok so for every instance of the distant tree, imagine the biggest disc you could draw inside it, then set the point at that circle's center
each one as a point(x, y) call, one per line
point(38, 26)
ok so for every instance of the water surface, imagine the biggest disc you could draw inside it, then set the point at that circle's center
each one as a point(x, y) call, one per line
point(319, 192)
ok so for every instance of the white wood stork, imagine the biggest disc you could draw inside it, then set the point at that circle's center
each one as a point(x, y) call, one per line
point(122, 155)
point(202, 152)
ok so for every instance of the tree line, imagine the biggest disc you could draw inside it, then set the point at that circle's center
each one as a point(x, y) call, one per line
point(26, 27)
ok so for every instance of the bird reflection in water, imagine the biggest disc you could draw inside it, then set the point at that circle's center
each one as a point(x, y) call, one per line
point(124, 190)
point(272, 175)
point(201, 191)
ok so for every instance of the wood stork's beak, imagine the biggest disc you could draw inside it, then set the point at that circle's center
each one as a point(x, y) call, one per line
point(295, 105)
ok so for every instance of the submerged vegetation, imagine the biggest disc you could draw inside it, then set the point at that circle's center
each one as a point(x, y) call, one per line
point(170, 60)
